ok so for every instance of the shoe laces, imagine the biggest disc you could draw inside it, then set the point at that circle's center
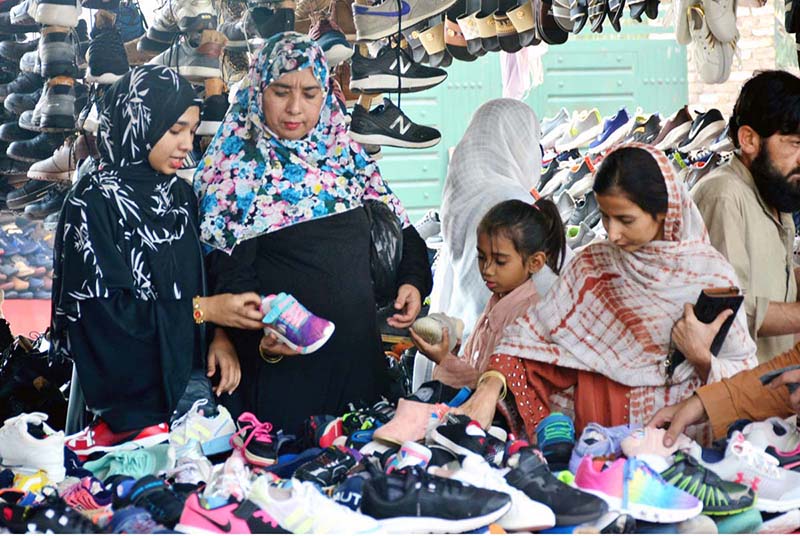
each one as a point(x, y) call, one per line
point(760, 461)
point(287, 310)
point(253, 429)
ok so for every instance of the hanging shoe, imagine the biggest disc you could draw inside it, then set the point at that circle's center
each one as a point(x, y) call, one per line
point(108, 61)
point(388, 125)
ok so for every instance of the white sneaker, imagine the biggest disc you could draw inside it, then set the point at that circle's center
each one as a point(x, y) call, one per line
point(681, 7)
point(213, 434)
point(584, 127)
point(774, 432)
point(429, 225)
point(525, 513)
point(28, 444)
point(566, 206)
point(777, 489)
point(301, 509)
point(721, 19)
point(712, 58)
point(192, 467)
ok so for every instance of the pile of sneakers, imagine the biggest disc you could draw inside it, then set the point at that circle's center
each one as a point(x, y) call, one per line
point(26, 258)
point(575, 145)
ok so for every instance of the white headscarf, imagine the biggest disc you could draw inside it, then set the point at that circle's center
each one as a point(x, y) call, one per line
point(499, 158)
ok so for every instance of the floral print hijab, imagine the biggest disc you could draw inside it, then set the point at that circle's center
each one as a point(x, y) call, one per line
point(250, 182)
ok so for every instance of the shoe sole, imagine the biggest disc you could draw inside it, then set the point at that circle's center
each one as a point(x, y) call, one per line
point(22, 202)
point(652, 514)
point(433, 525)
point(338, 54)
point(51, 176)
point(304, 349)
point(383, 83)
point(57, 123)
point(712, 132)
point(379, 139)
point(675, 136)
point(208, 128)
point(581, 139)
point(59, 68)
point(130, 445)
point(198, 74)
point(254, 459)
point(57, 15)
point(105, 78)
point(55, 472)
point(405, 24)
point(554, 135)
point(773, 506)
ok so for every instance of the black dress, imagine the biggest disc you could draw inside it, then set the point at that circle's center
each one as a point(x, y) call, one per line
point(324, 263)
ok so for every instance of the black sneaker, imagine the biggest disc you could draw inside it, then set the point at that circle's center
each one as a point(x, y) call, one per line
point(13, 50)
point(35, 149)
point(50, 203)
point(55, 517)
point(329, 468)
point(571, 506)
point(32, 192)
point(214, 109)
point(108, 61)
point(645, 132)
point(461, 435)
point(153, 494)
point(18, 103)
point(388, 125)
point(390, 69)
point(719, 497)
point(11, 167)
point(419, 502)
point(705, 128)
point(23, 83)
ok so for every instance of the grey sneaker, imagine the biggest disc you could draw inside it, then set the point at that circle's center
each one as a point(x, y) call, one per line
point(187, 15)
point(550, 123)
point(13, 50)
point(17, 103)
point(29, 63)
point(585, 127)
point(190, 62)
point(28, 122)
point(59, 53)
point(57, 12)
point(379, 21)
point(57, 107)
point(584, 236)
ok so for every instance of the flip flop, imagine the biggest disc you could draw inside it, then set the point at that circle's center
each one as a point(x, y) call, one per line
point(546, 24)
point(616, 8)
point(525, 23)
point(469, 27)
point(597, 14)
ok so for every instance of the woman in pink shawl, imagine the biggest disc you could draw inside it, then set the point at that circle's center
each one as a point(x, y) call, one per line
point(596, 345)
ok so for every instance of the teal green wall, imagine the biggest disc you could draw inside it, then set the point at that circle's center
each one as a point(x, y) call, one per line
point(642, 66)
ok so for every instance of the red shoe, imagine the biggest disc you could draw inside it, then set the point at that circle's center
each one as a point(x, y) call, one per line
point(98, 437)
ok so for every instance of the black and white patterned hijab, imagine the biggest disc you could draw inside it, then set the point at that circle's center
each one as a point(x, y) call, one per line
point(125, 227)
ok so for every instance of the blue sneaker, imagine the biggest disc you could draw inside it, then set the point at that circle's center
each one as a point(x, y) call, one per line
point(599, 442)
point(332, 41)
point(555, 437)
point(349, 492)
point(613, 132)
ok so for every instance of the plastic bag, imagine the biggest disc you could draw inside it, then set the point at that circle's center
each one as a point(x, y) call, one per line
point(386, 250)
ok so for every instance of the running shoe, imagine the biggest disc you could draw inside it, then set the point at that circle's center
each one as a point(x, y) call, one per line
point(294, 325)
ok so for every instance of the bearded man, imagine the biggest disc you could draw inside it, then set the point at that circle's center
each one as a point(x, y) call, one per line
point(747, 205)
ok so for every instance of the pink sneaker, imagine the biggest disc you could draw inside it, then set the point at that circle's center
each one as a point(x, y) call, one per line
point(410, 421)
point(631, 487)
point(294, 325)
point(231, 518)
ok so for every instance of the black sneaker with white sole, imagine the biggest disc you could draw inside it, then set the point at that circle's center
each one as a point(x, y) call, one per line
point(214, 109)
point(329, 468)
point(461, 435)
point(388, 125)
point(705, 129)
point(108, 61)
point(531, 474)
point(380, 74)
point(413, 501)
point(31, 192)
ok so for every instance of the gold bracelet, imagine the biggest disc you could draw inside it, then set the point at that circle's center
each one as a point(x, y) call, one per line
point(197, 313)
point(494, 374)
point(271, 359)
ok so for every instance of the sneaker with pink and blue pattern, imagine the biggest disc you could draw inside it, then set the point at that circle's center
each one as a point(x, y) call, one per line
point(293, 324)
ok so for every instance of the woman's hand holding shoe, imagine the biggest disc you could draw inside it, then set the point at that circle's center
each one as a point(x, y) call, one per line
point(233, 310)
point(435, 352)
point(222, 355)
point(271, 346)
point(408, 304)
point(694, 338)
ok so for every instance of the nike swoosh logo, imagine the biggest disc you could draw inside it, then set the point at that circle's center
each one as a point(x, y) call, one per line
point(224, 528)
point(405, 9)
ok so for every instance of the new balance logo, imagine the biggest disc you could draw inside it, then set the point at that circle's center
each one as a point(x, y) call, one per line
point(404, 66)
point(403, 127)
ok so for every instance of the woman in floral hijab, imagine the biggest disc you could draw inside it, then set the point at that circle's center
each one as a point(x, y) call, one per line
point(282, 189)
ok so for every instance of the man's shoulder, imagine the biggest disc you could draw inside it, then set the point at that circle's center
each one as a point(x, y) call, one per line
point(726, 183)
